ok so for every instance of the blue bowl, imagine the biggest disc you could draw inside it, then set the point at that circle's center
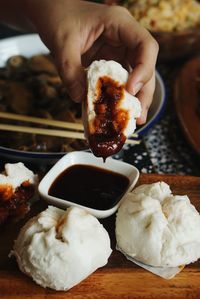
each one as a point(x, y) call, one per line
point(157, 107)
point(29, 45)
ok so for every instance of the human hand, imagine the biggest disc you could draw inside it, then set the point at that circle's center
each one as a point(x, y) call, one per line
point(79, 32)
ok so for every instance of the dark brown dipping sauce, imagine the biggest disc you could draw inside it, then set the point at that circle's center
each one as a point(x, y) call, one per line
point(110, 120)
point(89, 186)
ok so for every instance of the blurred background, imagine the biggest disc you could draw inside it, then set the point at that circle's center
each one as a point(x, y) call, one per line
point(170, 142)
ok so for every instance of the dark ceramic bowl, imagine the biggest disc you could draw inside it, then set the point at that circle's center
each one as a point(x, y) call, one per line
point(178, 45)
point(173, 45)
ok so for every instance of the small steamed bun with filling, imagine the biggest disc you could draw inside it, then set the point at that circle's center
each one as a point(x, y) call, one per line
point(59, 249)
point(16, 174)
point(157, 228)
point(17, 191)
point(109, 112)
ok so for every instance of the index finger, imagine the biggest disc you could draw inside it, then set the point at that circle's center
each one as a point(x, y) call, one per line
point(142, 48)
point(143, 61)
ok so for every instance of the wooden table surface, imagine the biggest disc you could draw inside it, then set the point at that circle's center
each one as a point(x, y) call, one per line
point(119, 278)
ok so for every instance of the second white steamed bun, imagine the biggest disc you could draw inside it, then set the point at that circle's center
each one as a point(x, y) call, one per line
point(157, 228)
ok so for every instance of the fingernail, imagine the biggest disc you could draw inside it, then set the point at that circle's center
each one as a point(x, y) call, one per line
point(77, 92)
point(137, 88)
point(144, 116)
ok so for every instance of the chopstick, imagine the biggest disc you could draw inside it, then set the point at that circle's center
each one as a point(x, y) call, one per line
point(51, 132)
point(42, 121)
point(45, 121)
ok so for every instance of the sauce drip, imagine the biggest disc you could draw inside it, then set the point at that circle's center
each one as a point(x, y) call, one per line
point(90, 186)
point(110, 120)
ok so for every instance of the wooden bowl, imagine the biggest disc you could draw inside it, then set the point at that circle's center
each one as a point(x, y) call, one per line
point(177, 45)
point(173, 45)
point(187, 101)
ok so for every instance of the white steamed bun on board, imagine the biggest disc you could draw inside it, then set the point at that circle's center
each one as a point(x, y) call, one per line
point(157, 228)
point(59, 249)
point(107, 78)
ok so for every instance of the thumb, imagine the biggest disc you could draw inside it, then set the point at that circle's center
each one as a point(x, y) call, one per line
point(68, 58)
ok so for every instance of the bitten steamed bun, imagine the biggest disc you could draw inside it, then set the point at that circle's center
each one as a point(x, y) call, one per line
point(59, 249)
point(109, 112)
point(157, 228)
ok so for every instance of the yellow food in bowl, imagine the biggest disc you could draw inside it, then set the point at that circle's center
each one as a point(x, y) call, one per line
point(165, 15)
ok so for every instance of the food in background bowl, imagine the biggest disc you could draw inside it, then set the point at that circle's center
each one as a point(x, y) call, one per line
point(165, 15)
point(175, 24)
point(32, 86)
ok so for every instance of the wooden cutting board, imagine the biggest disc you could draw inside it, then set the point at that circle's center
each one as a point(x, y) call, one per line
point(119, 278)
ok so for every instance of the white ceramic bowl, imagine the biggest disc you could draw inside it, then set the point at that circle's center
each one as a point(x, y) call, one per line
point(84, 158)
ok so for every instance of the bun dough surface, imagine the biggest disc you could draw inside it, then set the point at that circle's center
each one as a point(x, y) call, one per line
point(59, 249)
point(115, 71)
point(17, 173)
point(157, 228)
point(109, 78)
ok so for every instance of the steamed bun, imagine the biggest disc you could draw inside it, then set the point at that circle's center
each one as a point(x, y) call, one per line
point(157, 228)
point(114, 70)
point(109, 112)
point(59, 249)
point(17, 173)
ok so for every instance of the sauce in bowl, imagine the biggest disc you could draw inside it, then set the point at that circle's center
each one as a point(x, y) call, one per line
point(90, 186)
